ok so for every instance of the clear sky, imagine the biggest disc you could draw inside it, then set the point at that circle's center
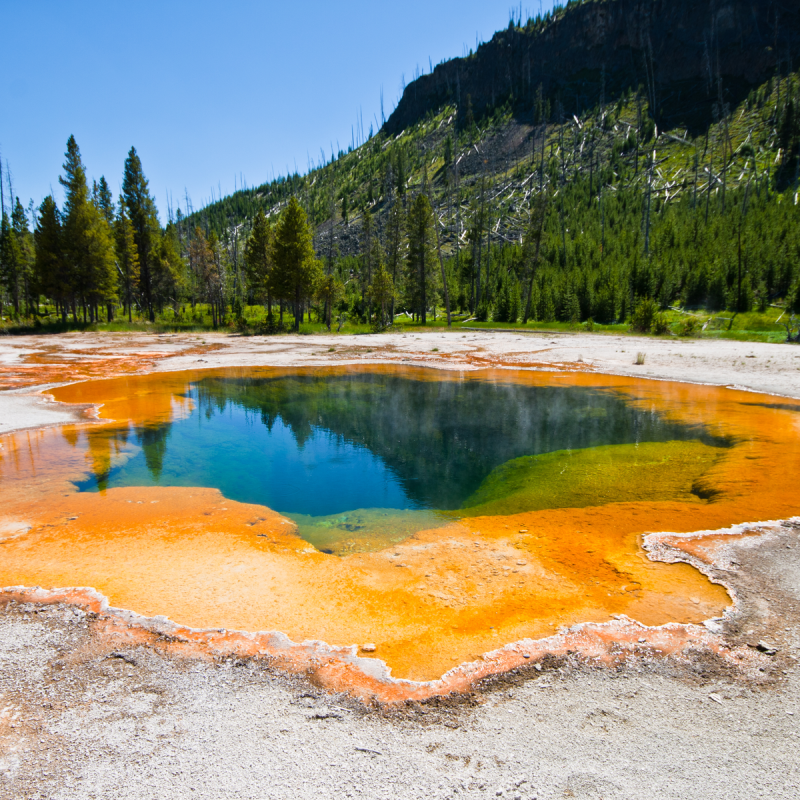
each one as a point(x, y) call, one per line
point(206, 91)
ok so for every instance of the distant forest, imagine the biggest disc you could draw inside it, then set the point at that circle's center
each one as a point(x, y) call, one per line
point(603, 208)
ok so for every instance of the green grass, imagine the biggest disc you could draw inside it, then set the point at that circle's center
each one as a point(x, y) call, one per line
point(753, 326)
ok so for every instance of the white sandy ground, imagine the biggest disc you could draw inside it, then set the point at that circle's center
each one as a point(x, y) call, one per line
point(770, 368)
point(75, 724)
point(19, 409)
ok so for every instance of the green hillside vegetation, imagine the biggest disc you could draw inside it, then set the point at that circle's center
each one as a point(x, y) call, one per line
point(545, 219)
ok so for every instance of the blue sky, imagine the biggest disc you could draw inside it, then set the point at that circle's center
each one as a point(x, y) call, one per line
point(207, 92)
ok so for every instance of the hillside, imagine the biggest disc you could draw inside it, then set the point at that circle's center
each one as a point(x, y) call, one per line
point(660, 141)
point(681, 53)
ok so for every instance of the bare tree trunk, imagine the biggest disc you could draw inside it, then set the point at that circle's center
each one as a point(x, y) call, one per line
point(535, 264)
point(441, 265)
point(423, 288)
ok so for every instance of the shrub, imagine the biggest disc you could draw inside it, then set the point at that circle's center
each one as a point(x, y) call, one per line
point(689, 327)
point(643, 316)
point(660, 325)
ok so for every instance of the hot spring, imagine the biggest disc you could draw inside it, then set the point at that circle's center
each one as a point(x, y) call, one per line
point(362, 460)
point(435, 514)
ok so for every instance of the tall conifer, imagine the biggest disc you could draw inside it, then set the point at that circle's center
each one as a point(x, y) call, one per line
point(258, 258)
point(88, 244)
point(101, 195)
point(10, 258)
point(421, 261)
point(295, 265)
point(127, 259)
point(25, 256)
point(146, 229)
point(394, 246)
point(52, 275)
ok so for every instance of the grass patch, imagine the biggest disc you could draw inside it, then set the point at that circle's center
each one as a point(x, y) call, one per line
point(753, 326)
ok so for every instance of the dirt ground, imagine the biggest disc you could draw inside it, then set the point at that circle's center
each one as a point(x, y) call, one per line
point(81, 720)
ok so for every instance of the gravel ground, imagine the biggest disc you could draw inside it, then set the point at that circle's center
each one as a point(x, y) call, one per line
point(78, 721)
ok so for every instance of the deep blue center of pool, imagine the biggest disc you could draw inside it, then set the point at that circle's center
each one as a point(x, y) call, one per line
point(321, 445)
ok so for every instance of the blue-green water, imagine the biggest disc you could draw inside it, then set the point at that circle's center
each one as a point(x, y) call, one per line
point(323, 449)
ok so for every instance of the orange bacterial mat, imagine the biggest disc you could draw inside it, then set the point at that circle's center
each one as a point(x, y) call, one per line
point(440, 598)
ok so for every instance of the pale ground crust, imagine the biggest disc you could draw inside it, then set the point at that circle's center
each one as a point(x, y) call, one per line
point(94, 703)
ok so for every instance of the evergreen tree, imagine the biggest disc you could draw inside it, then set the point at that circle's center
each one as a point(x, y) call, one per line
point(127, 260)
point(169, 273)
point(421, 262)
point(329, 291)
point(259, 261)
point(52, 273)
point(25, 256)
point(10, 258)
point(531, 248)
point(146, 229)
point(368, 261)
point(101, 195)
point(204, 266)
point(448, 152)
point(400, 173)
point(295, 265)
point(395, 254)
point(381, 294)
point(87, 240)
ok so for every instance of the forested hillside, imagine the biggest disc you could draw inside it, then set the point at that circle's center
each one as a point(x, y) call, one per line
point(601, 163)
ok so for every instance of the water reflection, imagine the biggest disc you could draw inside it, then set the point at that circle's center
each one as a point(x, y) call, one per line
point(323, 445)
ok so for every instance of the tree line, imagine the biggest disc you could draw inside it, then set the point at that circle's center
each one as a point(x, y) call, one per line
point(96, 258)
point(93, 256)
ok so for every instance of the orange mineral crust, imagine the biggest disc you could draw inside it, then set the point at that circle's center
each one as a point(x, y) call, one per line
point(441, 598)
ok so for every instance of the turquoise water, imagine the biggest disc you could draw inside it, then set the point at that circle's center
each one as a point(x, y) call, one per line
point(328, 449)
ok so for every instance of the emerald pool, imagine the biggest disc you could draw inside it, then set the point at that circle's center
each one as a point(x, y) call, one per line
point(370, 458)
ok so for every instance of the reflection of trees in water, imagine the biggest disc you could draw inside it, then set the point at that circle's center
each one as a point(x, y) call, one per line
point(441, 438)
point(153, 441)
point(102, 445)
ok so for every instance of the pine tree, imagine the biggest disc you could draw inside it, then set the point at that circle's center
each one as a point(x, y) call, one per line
point(25, 256)
point(10, 258)
point(329, 290)
point(259, 261)
point(381, 294)
point(502, 305)
point(421, 261)
point(52, 273)
point(531, 247)
point(394, 246)
point(127, 259)
point(368, 239)
point(215, 281)
point(448, 152)
point(146, 229)
point(102, 198)
point(295, 265)
point(169, 273)
point(467, 118)
point(400, 175)
point(204, 266)
point(87, 240)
